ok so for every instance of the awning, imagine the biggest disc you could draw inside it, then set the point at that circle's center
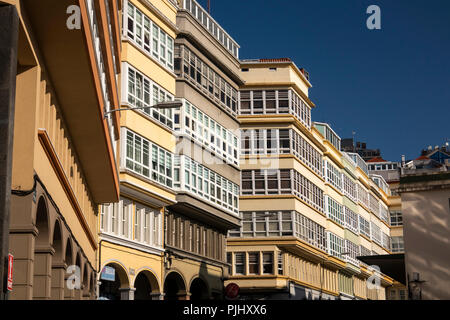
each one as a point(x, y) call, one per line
point(392, 265)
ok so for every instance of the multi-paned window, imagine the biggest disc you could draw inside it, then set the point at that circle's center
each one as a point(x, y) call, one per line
point(191, 67)
point(264, 224)
point(352, 251)
point(364, 226)
point(384, 213)
point(285, 181)
point(281, 223)
point(201, 128)
point(253, 262)
point(349, 187)
point(364, 252)
point(334, 210)
point(376, 233)
point(239, 263)
point(147, 159)
point(332, 174)
point(386, 241)
point(148, 36)
point(196, 179)
point(280, 141)
point(141, 92)
point(254, 102)
point(396, 218)
point(280, 263)
point(329, 134)
point(309, 231)
point(351, 220)
point(212, 26)
point(267, 263)
point(397, 244)
point(374, 205)
point(336, 245)
point(133, 221)
point(363, 195)
point(192, 236)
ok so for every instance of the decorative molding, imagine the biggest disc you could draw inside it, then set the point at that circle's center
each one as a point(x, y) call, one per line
point(59, 171)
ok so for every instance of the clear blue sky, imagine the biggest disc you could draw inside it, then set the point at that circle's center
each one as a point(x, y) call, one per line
point(391, 86)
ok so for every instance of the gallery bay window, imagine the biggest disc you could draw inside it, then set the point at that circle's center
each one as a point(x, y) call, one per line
point(284, 181)
point(194, 178)
point(334, 210)
point(364, 252)
point(332, 175)
point(191, 67)
point(364, 227)
point(328, 134)
point(349, 187)
point(363, 195)
point(255, 102)
point(147, 159)
point(279, 224)
point(132, 221)
point(148, 36)
point(384, 212)
point(280, 141)
point(374, 205)
point(141, 92)
point(336, 245)
point(194, 237)
point(257, 263)
point(352, 251)
point(117, 219)
point(211, 25)
point(198, 126)
point(386, 241)
point(376, 233)
point(351, 220)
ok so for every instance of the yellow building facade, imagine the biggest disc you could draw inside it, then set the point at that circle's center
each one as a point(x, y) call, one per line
point(64, 145)
point(132, 230)
point(300, 232)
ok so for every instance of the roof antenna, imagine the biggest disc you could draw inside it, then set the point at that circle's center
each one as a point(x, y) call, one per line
point(209, 6)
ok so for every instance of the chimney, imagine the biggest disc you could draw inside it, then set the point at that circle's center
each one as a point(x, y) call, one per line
point(403, 161)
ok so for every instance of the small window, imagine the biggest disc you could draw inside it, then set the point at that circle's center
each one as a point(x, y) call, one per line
point(245, 70)
point(273, 69)
point(268, 263)
point(253, 263)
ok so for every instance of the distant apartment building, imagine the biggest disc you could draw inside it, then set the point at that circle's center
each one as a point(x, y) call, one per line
point(179, 167)
point(308, 210)
point(64, 146)
point(349, 145)
point(425, 198)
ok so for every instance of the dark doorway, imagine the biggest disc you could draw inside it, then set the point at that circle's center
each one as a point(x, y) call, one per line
point(199, 290)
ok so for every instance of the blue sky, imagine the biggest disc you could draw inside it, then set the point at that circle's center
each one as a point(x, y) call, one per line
point(391, 86)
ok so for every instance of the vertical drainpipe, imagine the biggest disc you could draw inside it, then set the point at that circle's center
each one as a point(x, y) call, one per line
point(9, 31)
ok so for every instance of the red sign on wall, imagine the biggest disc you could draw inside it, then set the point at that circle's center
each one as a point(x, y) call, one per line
point(10, 272)
point(232, 291)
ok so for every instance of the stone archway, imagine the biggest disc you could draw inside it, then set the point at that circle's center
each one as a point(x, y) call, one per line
point(174, 287)
point(146, 285)
point(58, 267)
point(43, 253)
point(119, 288)
point(68, 261)
point(199, 290)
